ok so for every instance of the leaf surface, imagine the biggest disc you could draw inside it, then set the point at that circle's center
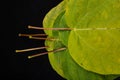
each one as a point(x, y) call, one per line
point(95, 49)
point(90, 53)
point(62, 61)
point(51, 16)
point(55, 59)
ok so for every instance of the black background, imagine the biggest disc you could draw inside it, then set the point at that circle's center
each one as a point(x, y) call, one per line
point(15, 17)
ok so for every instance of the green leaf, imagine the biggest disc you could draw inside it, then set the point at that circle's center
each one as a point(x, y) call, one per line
point(52, 15)
point(55, 59)
point(63, 63)
point(63, 35)
point(73, 71)
point(70, 69)
point(51, 20)
point(92, 54)
point(95, 50)
point(80, 12)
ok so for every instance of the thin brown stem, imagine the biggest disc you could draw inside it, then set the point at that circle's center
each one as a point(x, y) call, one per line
point(31, 49)
point(40, 28)
point(40, 38)
point(26, 35)
point(40, 54)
